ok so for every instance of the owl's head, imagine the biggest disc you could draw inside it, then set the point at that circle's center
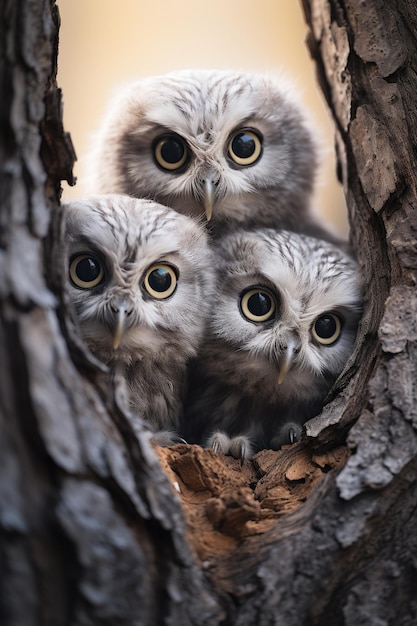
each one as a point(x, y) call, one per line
point(137, 274)
point(223, 143)
point(287, 307)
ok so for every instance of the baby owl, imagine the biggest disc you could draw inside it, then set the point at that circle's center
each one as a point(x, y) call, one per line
point(234, 146)
point(139, 278)
point(282, 325)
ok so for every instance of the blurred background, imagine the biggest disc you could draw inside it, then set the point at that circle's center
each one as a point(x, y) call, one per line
point(105, 44)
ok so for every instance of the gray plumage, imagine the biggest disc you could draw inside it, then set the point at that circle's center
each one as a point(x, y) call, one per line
point(282, 325)
point(139, 277)
point(233, 145)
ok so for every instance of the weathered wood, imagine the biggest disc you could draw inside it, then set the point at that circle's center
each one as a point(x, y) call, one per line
point(98, 527)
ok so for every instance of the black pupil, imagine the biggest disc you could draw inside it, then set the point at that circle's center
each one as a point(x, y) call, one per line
point(88, 270)
point(259, 304)
point(160, 280)
point(326, 326)
point(172, 150)
point(243, 146)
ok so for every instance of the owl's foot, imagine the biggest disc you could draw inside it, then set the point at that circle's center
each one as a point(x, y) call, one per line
point(167, 438)
point(239, 447)
point(288, 433)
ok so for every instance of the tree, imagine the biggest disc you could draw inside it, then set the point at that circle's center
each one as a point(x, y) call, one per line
point(97, 526)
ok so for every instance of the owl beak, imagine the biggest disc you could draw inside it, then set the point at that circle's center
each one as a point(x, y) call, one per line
point(119, 328)
point(286, 360)
point(208, 197)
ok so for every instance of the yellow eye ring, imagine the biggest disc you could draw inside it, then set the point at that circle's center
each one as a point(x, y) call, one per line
point(170, 152)
point(327, 329)
point(257, 305)
point(245, 147)
point(160, 281)
point(86, 271)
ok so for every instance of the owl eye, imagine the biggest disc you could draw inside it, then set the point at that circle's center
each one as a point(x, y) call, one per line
point(160, 281)
point(86, 271)
point(170, 152)
point(327, 328)
point(245, 147)
point(257, 305)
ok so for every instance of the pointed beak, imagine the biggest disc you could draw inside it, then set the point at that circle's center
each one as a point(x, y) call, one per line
point(120, 326)
point(286, 360)
point(208, 197)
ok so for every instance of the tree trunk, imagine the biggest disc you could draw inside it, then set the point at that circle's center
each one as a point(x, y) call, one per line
point(97, 526)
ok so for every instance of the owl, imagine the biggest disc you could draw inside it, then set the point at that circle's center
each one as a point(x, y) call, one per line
point(233, 146)
point(283, 322)
point(139, 279)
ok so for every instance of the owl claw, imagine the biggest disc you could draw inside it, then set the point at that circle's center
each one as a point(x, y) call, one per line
point(242, 455)
point(288, 433)
point(178, 439)
point(292, 435)
point(239, 447)
point(167, 438)
point(219, 442)
point(215, 447)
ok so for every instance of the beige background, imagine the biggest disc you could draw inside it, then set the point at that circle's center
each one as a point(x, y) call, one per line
point(107, 43)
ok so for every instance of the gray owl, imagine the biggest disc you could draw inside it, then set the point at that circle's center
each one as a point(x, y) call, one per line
point(234, 146)
point(139, 278)
point(283, 322)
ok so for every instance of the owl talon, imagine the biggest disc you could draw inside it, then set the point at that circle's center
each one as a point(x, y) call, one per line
point(238, 447)
point(216, 447)
point(292, 435)
point(178, 439)
point(219, 442)
point(167, 438)
point(288, 433)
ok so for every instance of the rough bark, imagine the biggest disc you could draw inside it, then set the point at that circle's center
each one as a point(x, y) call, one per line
point(90, 531)
point(96, 525)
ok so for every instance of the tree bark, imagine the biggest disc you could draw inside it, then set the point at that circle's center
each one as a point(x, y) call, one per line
point(97, 526)
point(90, 530)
